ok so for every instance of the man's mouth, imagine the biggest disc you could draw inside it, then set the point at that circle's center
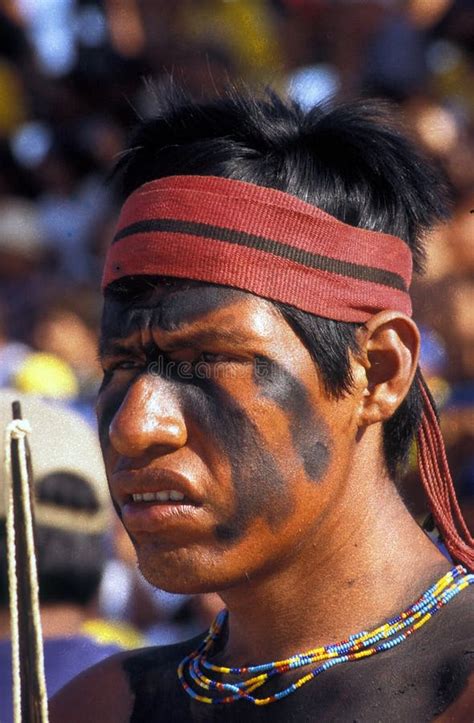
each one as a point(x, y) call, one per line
point(155, 485)
point(163, 512)
point(158, 501)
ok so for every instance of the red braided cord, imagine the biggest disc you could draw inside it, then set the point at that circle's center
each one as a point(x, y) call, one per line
point(443, 502)
point(438, 485)
point(443, 469)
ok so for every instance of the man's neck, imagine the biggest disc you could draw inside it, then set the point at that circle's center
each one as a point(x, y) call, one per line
point(365, 564)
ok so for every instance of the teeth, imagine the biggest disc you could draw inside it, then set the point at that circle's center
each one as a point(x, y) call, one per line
point(163, 496)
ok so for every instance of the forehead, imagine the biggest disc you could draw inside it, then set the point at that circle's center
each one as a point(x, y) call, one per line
point(174, 305)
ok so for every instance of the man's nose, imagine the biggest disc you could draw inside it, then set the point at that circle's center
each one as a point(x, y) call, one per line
point(149, 418)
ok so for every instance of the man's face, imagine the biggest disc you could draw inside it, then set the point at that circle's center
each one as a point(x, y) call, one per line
point(221, 449)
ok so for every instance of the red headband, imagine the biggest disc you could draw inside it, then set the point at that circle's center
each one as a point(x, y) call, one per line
point(278, 247)
point(260, 240)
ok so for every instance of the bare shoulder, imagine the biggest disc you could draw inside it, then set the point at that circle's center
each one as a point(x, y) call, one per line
point(100, 693)
point(112, 691)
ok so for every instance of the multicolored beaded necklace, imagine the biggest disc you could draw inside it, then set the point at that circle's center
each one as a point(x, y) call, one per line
point(194, 668)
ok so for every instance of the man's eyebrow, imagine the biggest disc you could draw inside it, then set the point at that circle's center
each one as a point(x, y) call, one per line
point(202, 337)
point(183, 340)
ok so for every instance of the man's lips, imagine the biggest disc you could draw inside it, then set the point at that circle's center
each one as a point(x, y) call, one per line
point(126, 483)
point(186, 516)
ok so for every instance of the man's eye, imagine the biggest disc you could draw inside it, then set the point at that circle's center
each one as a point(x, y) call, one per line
point(125, 364)
point(211, 358)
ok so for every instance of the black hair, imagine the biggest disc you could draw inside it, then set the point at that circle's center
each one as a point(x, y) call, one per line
point(70, 563)
point(351, 160)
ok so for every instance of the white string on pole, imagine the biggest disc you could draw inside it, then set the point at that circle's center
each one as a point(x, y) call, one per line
point(17, 429)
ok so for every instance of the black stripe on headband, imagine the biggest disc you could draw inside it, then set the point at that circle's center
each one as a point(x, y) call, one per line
point(260, 243)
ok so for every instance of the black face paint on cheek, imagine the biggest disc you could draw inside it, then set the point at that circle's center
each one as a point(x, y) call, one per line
point(259, 487)
point(110, 401)
point(108, 408)
point(309, 432)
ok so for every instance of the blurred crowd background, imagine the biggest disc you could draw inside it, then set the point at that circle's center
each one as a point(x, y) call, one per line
point(72, 81)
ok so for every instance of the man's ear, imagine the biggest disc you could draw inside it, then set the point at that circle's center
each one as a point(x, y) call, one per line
point(390, 344)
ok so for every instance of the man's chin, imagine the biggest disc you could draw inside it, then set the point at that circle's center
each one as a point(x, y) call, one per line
point(178, 571)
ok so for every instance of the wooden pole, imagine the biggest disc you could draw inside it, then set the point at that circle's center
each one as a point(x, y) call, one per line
point(28, 638)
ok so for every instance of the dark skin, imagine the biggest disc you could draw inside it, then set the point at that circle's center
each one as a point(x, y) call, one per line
point(288, 511)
